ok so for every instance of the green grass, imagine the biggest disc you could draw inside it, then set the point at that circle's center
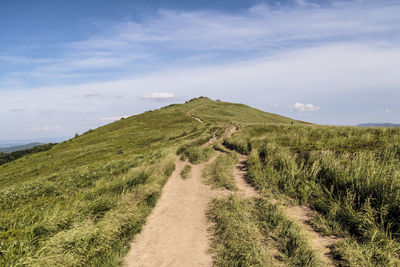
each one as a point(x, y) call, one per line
point(234, 113)
point(186, 171)
point(219, 173)
point(349, 175)
point(237, 239)
point(256, 233)
point(286, 235)
point(80, 202)
point(221, 148)
point(197, 154)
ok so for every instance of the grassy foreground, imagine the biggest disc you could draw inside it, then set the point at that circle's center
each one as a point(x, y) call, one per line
point(80, 202)
point(349, 175)
point(219, 173)
point(256, 233)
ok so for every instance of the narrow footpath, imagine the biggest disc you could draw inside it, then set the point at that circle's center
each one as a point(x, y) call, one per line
point(175, 233)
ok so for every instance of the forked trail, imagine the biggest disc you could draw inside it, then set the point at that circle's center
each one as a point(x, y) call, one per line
point(176, 232)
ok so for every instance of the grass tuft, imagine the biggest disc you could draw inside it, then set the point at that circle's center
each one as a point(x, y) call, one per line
point(186, 171)
point(219, 173)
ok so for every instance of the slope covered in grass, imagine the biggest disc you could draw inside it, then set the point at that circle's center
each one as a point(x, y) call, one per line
point(80, 202)
point(232, 112)
point(349, 175)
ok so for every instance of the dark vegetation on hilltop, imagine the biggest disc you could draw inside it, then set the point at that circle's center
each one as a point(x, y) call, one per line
point(8, 157)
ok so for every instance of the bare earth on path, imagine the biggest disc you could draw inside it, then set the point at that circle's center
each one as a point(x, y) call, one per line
point(176, 232)
point(246, 190)
point(321, 244)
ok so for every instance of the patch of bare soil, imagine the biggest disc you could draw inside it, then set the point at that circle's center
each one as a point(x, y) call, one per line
point(176, 232)
point(245, 189)
point(193, 117)
point(322, 244)
point(198, 119)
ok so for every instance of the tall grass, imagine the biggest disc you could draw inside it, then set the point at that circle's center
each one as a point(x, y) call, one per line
point(350, 175)
point(248, 233)
point(219, 173)
point(237, 239)
point(80, 202)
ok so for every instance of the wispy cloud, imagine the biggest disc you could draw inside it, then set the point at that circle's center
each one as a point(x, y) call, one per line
point(178, 38)
point(264, 56)
point(115, 118)
point(18, 110)
point(303, 107)
point(47, 128)
point(274, 106)
point(158, 96)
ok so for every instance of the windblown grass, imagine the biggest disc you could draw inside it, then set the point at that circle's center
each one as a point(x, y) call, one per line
point(237, 239)
point(197, 154)
point(219, 173)
point(349, 175)
point(248, 233)
point(78, 203)
point(186, 171)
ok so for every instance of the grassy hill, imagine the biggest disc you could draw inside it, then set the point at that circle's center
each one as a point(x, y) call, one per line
point(81, 201)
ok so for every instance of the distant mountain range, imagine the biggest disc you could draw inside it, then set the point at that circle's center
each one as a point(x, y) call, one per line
point(378, 125)
point(10, 149)
point(20, 142)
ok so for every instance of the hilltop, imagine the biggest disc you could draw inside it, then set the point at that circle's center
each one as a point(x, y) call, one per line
point(95, 175)
point(205, 183)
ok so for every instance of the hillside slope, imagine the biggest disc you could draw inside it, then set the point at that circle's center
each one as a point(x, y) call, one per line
point(80, 202)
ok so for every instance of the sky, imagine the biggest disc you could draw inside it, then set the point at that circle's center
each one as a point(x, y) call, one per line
point(70, 66)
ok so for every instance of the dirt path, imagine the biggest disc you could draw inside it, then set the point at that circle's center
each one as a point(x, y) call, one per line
point(302, 215)
point(193, 117)
point(240, 172)
point(175, 233)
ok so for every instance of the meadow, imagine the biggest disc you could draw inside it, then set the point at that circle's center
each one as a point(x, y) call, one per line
point(80, 202)
point(349, 176)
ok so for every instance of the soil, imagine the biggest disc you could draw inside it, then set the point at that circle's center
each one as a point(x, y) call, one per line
point(176, 232)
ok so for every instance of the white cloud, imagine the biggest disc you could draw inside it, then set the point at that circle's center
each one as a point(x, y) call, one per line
point(262, 55)
point(110, 119)
point(198, 37)
point(47, 128)
point(387, 110)
point(275, 106)
point(158, 96)
point(303, 107)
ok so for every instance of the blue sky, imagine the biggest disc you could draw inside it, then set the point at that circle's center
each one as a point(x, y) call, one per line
point(69, 66)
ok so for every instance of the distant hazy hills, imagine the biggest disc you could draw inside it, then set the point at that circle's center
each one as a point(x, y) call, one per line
point(378, 125)
point(19, 147)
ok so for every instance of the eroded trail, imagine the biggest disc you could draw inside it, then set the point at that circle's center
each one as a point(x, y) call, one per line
point(322, 244)
point(175, 233)
point(245, 189)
